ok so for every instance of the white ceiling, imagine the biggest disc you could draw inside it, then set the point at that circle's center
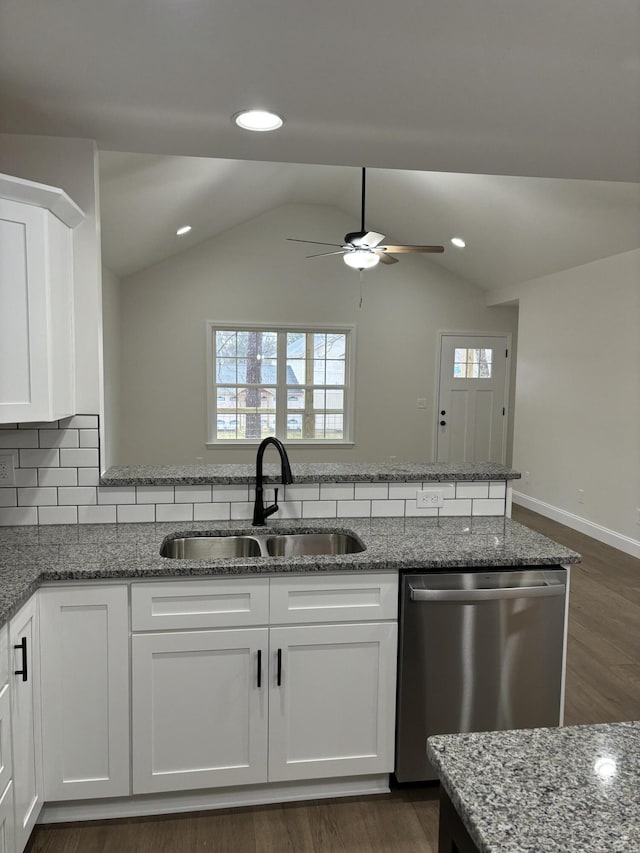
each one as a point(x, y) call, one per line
point(546, 88)
point(516, 228)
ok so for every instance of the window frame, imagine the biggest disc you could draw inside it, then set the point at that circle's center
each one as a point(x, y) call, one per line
point(282, 414)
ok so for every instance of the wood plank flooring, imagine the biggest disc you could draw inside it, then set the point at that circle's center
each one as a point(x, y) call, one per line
point(603, 685)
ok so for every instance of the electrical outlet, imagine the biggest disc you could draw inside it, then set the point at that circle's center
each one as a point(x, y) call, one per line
point(7, 471)
point(638, 515)
point(580, 496)
point(421, 403)
point(527, 476)
point(428, 498)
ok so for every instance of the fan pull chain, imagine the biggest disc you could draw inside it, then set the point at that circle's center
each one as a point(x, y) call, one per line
point(361, 294)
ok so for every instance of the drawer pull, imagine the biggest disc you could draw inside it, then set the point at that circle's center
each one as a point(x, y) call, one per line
point(259, 679)
point(279, 678)
point(22, 645)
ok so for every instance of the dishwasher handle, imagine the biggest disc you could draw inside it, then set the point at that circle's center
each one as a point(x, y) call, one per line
point(473, 595)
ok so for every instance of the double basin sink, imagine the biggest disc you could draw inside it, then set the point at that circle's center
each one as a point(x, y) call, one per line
point(268, 545)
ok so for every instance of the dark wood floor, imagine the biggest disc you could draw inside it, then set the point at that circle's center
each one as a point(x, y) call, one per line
point(603, 685)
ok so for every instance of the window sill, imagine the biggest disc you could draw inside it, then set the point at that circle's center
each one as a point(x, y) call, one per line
point(290, 443)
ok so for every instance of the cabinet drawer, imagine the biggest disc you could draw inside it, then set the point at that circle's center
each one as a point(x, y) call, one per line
point(215, 603)
point(334, 598)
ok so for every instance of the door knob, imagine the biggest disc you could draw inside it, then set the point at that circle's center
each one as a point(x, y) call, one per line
point(443, 423)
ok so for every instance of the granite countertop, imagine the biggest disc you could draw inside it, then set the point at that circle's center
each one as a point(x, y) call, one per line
point(561, 789)
point(30, 556)
point(310, 472)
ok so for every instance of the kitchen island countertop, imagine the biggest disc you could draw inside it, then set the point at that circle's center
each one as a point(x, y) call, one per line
point(30, 556)
point(558, 790)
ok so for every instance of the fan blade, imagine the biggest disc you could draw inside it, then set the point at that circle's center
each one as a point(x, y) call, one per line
point(399, 249)
point(386, 259)
point(316, 242)
point(370, 239)
point(324, 254)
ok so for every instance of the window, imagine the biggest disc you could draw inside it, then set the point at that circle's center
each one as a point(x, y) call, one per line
point(288, 382)
point(472, 363)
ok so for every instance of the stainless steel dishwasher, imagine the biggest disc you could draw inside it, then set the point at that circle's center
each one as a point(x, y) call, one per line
point(478, 651)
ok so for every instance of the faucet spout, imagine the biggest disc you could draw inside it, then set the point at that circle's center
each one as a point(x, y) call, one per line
point(260, 512)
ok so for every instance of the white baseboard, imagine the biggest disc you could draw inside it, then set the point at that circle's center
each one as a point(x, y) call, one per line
point(219, 798)
point(583, 525)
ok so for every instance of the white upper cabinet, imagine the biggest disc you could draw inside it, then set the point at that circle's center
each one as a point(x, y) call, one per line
point(36, 301)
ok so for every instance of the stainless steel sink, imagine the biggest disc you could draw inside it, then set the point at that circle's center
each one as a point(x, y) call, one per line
point(266, 545)
point(311, 544)
point(211, 547)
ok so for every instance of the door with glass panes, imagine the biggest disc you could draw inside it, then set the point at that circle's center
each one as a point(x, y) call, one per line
point(471, 416)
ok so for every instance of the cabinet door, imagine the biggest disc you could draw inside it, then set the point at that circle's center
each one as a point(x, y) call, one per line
point(85, 691)
point(7, 833)
point(332, 710)
point(199, 709)
point(26, 720)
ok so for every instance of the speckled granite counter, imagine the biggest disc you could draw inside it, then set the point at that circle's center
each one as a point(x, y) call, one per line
point(311, 472)
point(566, 790)
point(32, 555)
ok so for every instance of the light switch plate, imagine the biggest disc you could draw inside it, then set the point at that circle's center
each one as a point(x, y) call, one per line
point(7, 471)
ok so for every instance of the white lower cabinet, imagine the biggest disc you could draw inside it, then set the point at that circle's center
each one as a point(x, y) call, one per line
point(85, 691)
point(221, 707)
point(7, 819)
point(26, 720)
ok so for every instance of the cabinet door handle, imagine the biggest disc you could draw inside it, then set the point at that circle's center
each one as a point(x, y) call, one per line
point(23, 646)
point(279, 678)
point(259, 680)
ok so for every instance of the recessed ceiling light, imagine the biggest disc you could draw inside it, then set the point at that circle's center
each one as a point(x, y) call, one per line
point(184, 230)
point(459, 242)
point(260, 120)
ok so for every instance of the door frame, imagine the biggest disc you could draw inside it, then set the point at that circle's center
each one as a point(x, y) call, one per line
point(507, 381)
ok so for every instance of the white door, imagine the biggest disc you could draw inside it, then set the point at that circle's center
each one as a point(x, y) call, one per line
point(472, 398)
point(199, 709)
point(26, 720)
point(85, 692)
point(331, 700)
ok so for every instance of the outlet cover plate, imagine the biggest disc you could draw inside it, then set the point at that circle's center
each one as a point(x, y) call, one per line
point(429, 498)
point(7, 470)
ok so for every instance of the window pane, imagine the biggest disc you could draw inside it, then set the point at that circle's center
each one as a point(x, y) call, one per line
point(226, 370)
point(296, 372)
point(334, 426)
point(318, 372)
point(294, 425)
point(334, 399)
point(486, 355)
point(295, 399)
point(336, 346)
point(296, 344)
point(226, 343)
point(335, 372)
point(460, 355)
point(319, 346)
point(318, 400)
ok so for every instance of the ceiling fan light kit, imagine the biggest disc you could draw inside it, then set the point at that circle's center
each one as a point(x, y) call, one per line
point(361, 249)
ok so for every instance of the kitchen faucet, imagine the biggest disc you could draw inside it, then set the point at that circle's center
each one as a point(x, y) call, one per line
point(260, 511)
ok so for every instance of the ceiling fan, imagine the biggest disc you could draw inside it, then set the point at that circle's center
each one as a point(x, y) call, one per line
point(362, 249)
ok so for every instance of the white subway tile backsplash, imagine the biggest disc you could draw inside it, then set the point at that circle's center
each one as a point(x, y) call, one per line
point(96, 514)
point(14, 438)
point(354, 509)
point(116, 494)
point(89, 438)
point(472, 490)
point(57, 476)
point(18, 515)
point(302, 492)
point(412, 510)
point(88, 477)
point(154, 494)
point(319, 509)
point(371, 491)
point(174, 512)
point(487, 507)
point(26, 476)
point(133, 514)
point(37, 497)
point(193, 494)
point(78, 495)
point(288, 509)
point(404, 491)
point(229, 493)
point(387, 508)
point(241, 511)
point(336, 492)
point(8, 496)
point(498, 489)
point(58, 515)
point(211, 512)
point(41, 459)
point(59, 438)
point(456, 507)
point(82, 457)
point(38, 425)
point(448, 489)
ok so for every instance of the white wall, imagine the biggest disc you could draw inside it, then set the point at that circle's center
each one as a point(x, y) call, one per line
point(252, 274)
point(577, 422)
point(71, 165)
